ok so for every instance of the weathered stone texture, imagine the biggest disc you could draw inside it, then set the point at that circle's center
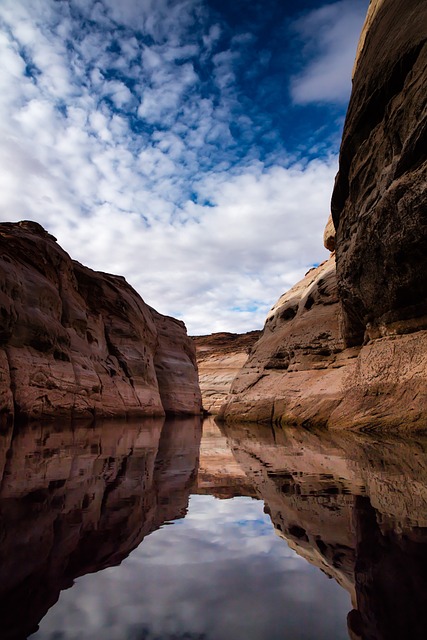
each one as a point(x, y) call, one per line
point(220, 357)
point(379, 202)
point(75, 342)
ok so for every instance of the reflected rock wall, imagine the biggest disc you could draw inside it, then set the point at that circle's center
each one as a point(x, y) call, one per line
point(77, 501)
point(355, 507)
point(219, 473)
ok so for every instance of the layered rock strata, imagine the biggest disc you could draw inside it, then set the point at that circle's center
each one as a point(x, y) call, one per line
point(220, 357)
point(348, 348)
point(76, 343)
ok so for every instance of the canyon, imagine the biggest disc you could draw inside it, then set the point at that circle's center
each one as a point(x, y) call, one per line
point(77, 343)
point(346, 347)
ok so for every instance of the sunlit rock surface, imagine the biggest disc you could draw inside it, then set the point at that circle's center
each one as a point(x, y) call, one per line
point(219, 357)
point(367, 366)
point(76, 501)
point(294, 371)
point(75, 342)
point(356, 507)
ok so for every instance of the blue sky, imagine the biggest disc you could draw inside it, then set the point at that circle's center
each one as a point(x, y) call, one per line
point(189, 145)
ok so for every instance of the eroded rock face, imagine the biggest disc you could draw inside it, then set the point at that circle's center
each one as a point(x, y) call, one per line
point(380, 198)
point(294, 371)
point(220, 357)
point(300, 373)
point(75, 342)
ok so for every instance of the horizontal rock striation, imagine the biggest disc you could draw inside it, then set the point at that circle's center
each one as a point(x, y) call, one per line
point(220, 357)
point(348, 347)
point(76, 343)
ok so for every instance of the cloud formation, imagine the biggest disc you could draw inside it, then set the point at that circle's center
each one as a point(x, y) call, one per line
point(131, 132)
point(329, 35)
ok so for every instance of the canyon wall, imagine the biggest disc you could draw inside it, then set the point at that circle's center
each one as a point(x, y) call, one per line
point(220, 357)
point(347, 347)
point(75, 342)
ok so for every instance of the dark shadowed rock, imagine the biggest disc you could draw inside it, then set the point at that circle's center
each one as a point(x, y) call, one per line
point(75, 342)
point(379, 202)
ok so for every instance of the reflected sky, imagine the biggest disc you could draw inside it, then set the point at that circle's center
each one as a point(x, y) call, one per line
point(150, 531)
point(219, 574)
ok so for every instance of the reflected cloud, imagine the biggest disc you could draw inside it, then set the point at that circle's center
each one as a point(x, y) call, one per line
point(121, 512)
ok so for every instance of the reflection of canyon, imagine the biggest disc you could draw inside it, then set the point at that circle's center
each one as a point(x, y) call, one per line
point(77, 501)
point(356, 507)
point(220, 474)
point(74, 501)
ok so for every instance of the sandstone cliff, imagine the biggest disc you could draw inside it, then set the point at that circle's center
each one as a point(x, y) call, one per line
point(348, 348)
point(220, 357)
point(75, 342)
point(379, 200)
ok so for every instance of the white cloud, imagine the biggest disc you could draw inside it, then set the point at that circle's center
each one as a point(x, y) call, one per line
point(148, 183)
point(330, 36)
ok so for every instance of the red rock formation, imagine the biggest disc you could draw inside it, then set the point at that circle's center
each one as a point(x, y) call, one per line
point(354, 354)
point(75, 342)
point(220, 357)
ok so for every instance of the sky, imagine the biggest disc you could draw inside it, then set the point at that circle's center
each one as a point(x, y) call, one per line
point(189, 145)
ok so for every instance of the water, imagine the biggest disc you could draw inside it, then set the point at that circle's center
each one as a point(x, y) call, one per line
point(153, 531)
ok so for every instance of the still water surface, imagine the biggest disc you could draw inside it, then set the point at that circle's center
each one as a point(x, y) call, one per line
point(161, 531)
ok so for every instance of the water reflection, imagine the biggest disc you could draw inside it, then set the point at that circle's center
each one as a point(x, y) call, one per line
point(77, 501)
point(355, 505)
